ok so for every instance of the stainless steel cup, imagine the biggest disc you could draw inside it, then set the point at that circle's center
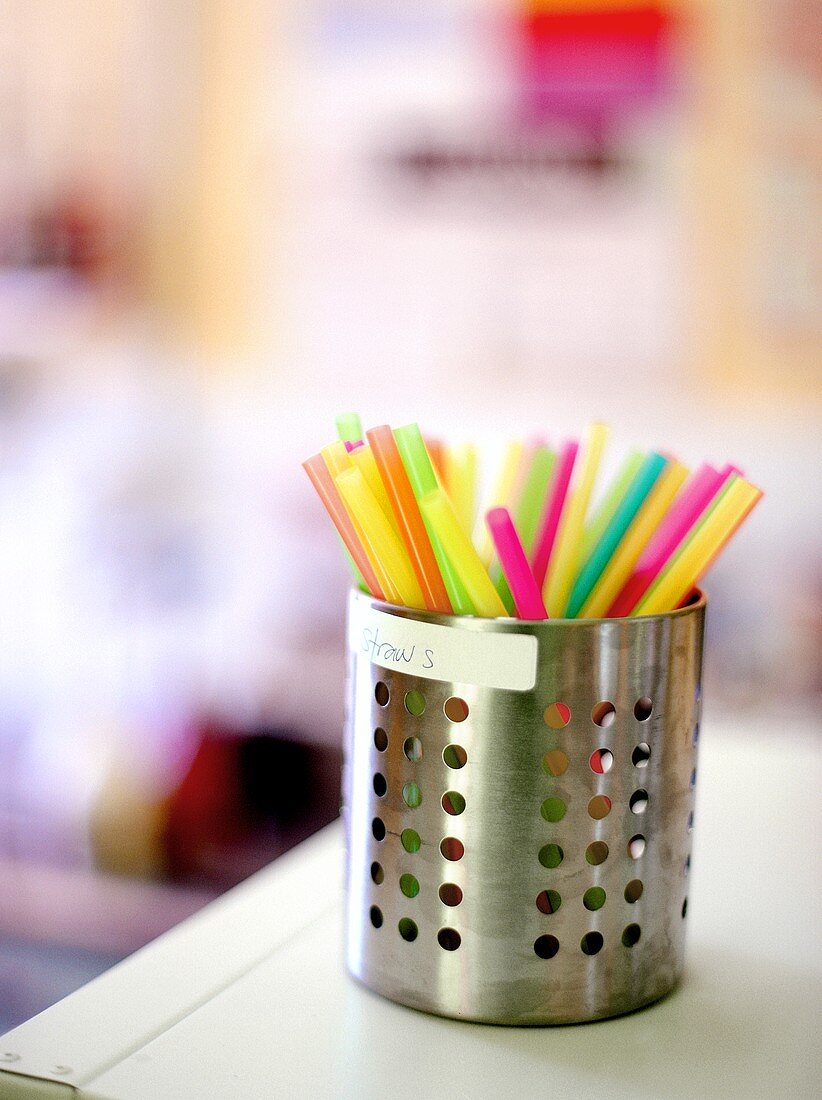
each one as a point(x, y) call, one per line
point(520, 855)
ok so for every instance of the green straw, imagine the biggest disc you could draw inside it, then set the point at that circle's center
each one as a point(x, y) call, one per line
point(643, 482)
point(423, 480)
point(528, 511)
point(595, 528)
point(349, 427)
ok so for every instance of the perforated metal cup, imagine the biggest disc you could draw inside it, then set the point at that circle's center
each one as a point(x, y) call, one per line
point(522, 856)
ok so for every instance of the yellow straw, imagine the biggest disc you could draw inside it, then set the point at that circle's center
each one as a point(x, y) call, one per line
point(501, 495)
point(636, 538)
point(693, 561)
point(363, 458)
point(438, 512)
point(461, 482)
point(380, 537)
point(565, 559)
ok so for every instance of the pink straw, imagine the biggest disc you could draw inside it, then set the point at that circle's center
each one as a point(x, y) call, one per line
point(554, 501)
point(351, 445)
point(524, 588)
point(682, 515)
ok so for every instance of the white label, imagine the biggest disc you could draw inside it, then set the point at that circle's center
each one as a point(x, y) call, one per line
point(486, 659)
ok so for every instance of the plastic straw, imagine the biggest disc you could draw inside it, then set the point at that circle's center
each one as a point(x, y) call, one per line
point(361, 502)
point(322, 481)
point(564, 562)
point(502, 494)
point(642, 483)
point(423, 480)
point(349, 428)
point(595, 528)
point(363, 458)
point(672, 529)
point(511, 553)
point(690, 565)
point(532, 498)
point(409, 518)
point(461, 482)
point(636, 538)
point(554, 501)
point(439, 515)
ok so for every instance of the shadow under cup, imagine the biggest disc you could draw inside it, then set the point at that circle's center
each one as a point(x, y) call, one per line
point(519, 854)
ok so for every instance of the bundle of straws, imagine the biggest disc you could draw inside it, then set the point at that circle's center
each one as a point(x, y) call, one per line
point(404, 508)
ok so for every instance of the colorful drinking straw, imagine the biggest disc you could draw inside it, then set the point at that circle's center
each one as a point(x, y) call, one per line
point(423, 480)
point(642, 483)
point(322, 481)
point(349, 428)
point(511, 553)
point(362, 503)
point(439, 515)
point(636, 538)
point(529, 507)
point(689, 566)
point(564, 562)
point(461, 482)
point(666, 537)
point(363, 458)
point(502, 495)
point(603, 514)
point(409, 518)
point(554, 502)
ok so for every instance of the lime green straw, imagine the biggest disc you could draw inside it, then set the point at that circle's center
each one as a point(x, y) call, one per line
point(643, 481)
point(349, 427)
point(423, 480)
point(595, 528)
point(529, 507)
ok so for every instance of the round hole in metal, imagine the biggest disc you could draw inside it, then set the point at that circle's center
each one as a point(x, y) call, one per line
point(593, 898)
point(380, 739)
point(408, 929)
point(455, 756)
point(641, 755)
point(639, 801)
point(381, 693)
point(555, 762)
point(412, 747)
point(375, 914)
point(456, 709)
point(596, 852)
point(551, 855)
point(684, 908)
point(631, 935)
point(414, 702)
point(453, 803)
point(449, 939)
point(599, 807)
point(380, 785)
point(633, 891)
point(557, 716)
point(548, 901)
point(601, 761)
point(604, 714)
point(636, 846)
point(643, 708)
point(553, 809)
point(410, 840)
point(546, 946)
point(378, 828)
point(687, 863)
point(591, 943)
point(377, 873)
point(409, 885)
point(452, 848)
point(450, 893)
point(411, 795)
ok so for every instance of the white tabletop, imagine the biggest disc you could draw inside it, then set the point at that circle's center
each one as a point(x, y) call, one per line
point(249, 998)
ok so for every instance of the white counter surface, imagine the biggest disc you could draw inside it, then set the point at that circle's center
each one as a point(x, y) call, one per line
point(249, 999)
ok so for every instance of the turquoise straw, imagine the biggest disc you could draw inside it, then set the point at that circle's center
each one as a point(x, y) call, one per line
point(628, 507)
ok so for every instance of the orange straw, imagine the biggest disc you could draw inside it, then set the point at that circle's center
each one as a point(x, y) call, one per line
point(322, 481)
point(411, 524)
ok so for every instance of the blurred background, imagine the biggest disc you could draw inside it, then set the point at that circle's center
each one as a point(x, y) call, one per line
point(221, 223)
